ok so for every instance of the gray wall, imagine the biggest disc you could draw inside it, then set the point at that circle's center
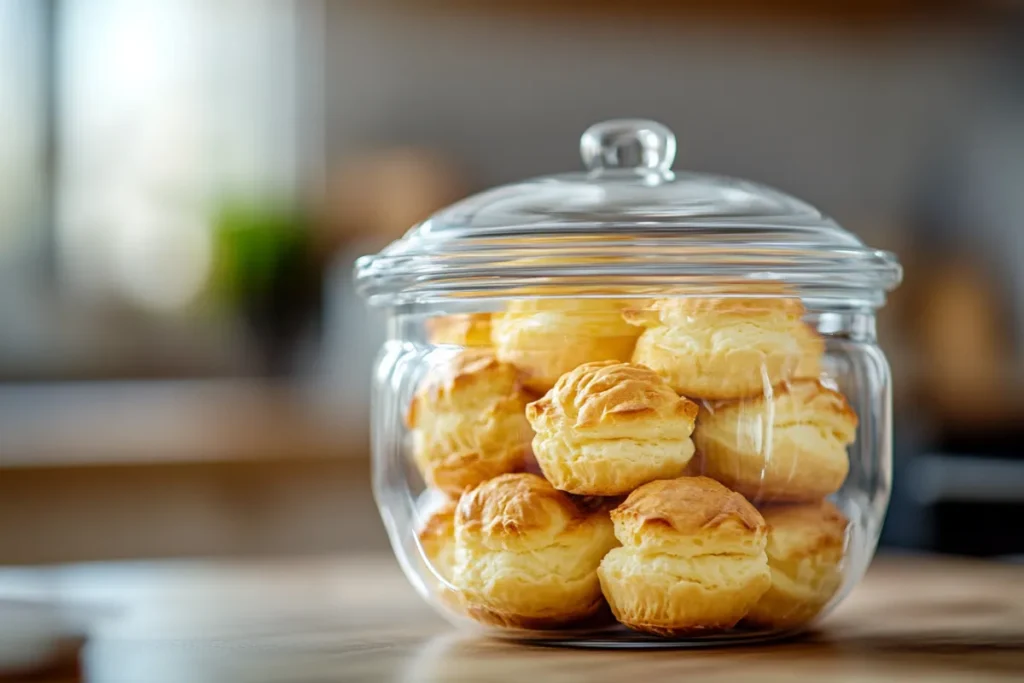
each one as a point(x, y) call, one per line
point(847, 122)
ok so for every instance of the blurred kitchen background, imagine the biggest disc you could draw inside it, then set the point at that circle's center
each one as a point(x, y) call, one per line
point(185, 184)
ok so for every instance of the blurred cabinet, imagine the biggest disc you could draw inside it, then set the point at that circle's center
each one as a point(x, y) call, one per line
point(849, 12)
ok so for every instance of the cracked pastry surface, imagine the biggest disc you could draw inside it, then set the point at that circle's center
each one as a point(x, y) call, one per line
point(692, 558)
point(468, 422)
point(608, 427)
point(526, 554)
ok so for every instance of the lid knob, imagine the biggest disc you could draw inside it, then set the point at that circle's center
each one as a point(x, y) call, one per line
point(628, 144)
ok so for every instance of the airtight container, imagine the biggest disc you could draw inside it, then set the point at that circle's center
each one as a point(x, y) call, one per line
point(631, 406)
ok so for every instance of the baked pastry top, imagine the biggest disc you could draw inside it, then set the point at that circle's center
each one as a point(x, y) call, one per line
point(546, 338)
point(689, 516)
point(518, 510)
point(607, 427)
point(790, 446)
point(797, 531)
point(527, 555)
point(723, 348)
point(468, 422)
point(692, 558)
point(614, 399)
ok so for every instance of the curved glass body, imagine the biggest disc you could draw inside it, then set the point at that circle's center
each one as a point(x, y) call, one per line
point(632, 472)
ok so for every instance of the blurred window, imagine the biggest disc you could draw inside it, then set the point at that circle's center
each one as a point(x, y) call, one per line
point(167, 109)
point(127, 126)
point(22, 122)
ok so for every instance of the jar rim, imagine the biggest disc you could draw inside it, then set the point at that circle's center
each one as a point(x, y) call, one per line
point(630, 224)
point(502, 268)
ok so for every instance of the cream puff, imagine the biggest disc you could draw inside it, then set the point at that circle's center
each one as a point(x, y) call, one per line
point(723, 348)
point(545, 338)
point(468, 422)
point(526, 555)
point(608, 427)
point(692, 558)
point(787, 447)
point(806, 545)
point(463, 329)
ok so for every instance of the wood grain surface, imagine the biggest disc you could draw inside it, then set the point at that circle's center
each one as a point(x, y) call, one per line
point(356, 619)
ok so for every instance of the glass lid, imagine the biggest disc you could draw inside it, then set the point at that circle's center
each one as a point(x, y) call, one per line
point(628, 225)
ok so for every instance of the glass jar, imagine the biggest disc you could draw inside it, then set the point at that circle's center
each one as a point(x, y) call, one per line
point(631, 406)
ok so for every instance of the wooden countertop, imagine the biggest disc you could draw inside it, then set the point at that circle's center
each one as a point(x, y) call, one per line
point(356, 619)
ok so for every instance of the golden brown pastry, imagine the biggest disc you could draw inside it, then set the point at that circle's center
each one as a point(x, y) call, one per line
point(463, 329)
point(545, 338)
point(526, 556)
point(809, 365)
point(608, 427)
point(468, 422)
point(805, 551)
point(791, 447)
point(717, 348)
point(436, 534)
point(692, 558)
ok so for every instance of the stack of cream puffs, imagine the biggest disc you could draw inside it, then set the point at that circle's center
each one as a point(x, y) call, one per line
point(665, 463)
